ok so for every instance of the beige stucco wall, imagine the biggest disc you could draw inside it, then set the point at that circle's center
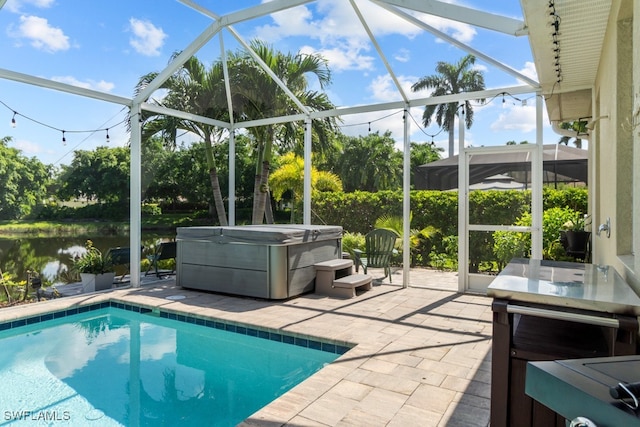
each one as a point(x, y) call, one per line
point(615, 193)
point(635, 119)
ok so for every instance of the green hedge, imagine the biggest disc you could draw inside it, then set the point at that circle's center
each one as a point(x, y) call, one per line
point(357, 213)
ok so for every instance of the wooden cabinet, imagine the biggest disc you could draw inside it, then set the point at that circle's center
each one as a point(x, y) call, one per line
point(544, 311)
point(521, 338)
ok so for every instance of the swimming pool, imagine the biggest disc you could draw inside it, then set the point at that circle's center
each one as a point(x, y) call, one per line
point(131, 366)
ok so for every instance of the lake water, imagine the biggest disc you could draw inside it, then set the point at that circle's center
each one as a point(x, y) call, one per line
point(51, 256)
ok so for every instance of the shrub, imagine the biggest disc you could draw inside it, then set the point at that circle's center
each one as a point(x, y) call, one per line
point(509, 244)
point(151, 209)
point(351, 241)
point(92, 261)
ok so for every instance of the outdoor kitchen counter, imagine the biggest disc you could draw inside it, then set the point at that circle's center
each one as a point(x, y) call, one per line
point(548, 310)
point(565, 284)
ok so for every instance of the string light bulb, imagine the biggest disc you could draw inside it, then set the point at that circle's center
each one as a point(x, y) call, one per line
point(108, 140)
point(13, 119)
point(64, 140)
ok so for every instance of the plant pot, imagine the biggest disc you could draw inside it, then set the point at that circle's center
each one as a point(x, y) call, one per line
point(97, 282)
point(577, 240)
point(578, 244)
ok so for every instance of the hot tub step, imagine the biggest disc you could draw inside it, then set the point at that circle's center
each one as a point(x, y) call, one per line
point(346, 286)
point(328, 271)
point(333, 264)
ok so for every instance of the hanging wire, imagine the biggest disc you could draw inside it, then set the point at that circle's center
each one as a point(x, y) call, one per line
point(424, 131)
point(64, 131)
point(91, 131)
point(371, 121)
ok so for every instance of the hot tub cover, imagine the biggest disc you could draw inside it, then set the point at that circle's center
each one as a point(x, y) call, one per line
point(267, 234)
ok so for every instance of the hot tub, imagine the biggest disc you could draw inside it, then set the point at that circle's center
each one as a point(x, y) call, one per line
point(263, 261)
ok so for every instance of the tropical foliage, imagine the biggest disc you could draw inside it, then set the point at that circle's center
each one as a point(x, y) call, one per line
point(450, 79)
point(193, 89)
point(92, 261)
point(370, 163)
point(260, 96)
point(289, 176)
point(419, 239)
point(98, 175)
point(23, 182)
point(579, 127)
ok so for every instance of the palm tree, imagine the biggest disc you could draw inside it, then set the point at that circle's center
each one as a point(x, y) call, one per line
point(260, 97)
point(289, 176)
point(370, 163)
point(197, 90)
point(580, 128)
point(450, 80)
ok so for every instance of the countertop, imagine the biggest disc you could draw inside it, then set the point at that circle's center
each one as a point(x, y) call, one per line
point(565, 284)
point(580, 388)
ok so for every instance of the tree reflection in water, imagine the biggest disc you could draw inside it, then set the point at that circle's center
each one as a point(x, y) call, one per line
point(51, 256)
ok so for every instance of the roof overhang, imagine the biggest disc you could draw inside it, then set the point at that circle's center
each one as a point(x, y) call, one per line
point(566, 40)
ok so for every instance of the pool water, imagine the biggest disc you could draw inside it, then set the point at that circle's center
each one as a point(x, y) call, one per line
point(115, 367)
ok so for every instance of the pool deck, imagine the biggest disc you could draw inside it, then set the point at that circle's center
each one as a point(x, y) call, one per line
point(422, 354)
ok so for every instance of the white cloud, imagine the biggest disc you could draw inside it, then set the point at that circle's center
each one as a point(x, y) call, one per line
point(147, 38)
point(516, 118)
point(402, 55)
point(27, 147)
point(342, 58)
point(530, 71)
point(458, 30)
point(89, 84)
point(383, 88)
point(343, 39)
point(16, 5)
point(42, 35)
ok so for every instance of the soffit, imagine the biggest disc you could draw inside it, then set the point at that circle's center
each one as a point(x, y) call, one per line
point(567, 69)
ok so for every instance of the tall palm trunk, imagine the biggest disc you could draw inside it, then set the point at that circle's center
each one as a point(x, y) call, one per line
point(217, 196)
point(268, 208)
point(213, 177)
point(451, 133)
point(261, 189)
point(255, 218)
point(260, 193)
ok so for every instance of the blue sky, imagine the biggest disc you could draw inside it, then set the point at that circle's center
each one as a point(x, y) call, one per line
point(107, 46)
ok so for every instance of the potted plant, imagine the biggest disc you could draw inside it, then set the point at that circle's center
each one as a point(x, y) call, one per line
point(577, 236)
point(96, 271)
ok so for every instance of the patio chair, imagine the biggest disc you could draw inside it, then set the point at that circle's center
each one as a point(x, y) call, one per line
point(165, 250)
point(378, 251)
point(121, 257)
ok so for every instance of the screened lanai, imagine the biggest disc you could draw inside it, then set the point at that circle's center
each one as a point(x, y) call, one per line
point(561, 165)
point(216, 28)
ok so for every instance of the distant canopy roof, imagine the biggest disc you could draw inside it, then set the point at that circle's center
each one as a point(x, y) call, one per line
point(560, 164)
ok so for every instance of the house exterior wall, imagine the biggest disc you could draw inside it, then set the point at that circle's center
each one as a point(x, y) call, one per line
point(616, 164)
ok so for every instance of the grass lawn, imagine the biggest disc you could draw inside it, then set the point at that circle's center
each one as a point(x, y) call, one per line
point(63, 227)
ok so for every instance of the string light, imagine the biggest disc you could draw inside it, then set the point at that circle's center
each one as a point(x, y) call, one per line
point(64, 140)
point(555, 34)
point(372, 121)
